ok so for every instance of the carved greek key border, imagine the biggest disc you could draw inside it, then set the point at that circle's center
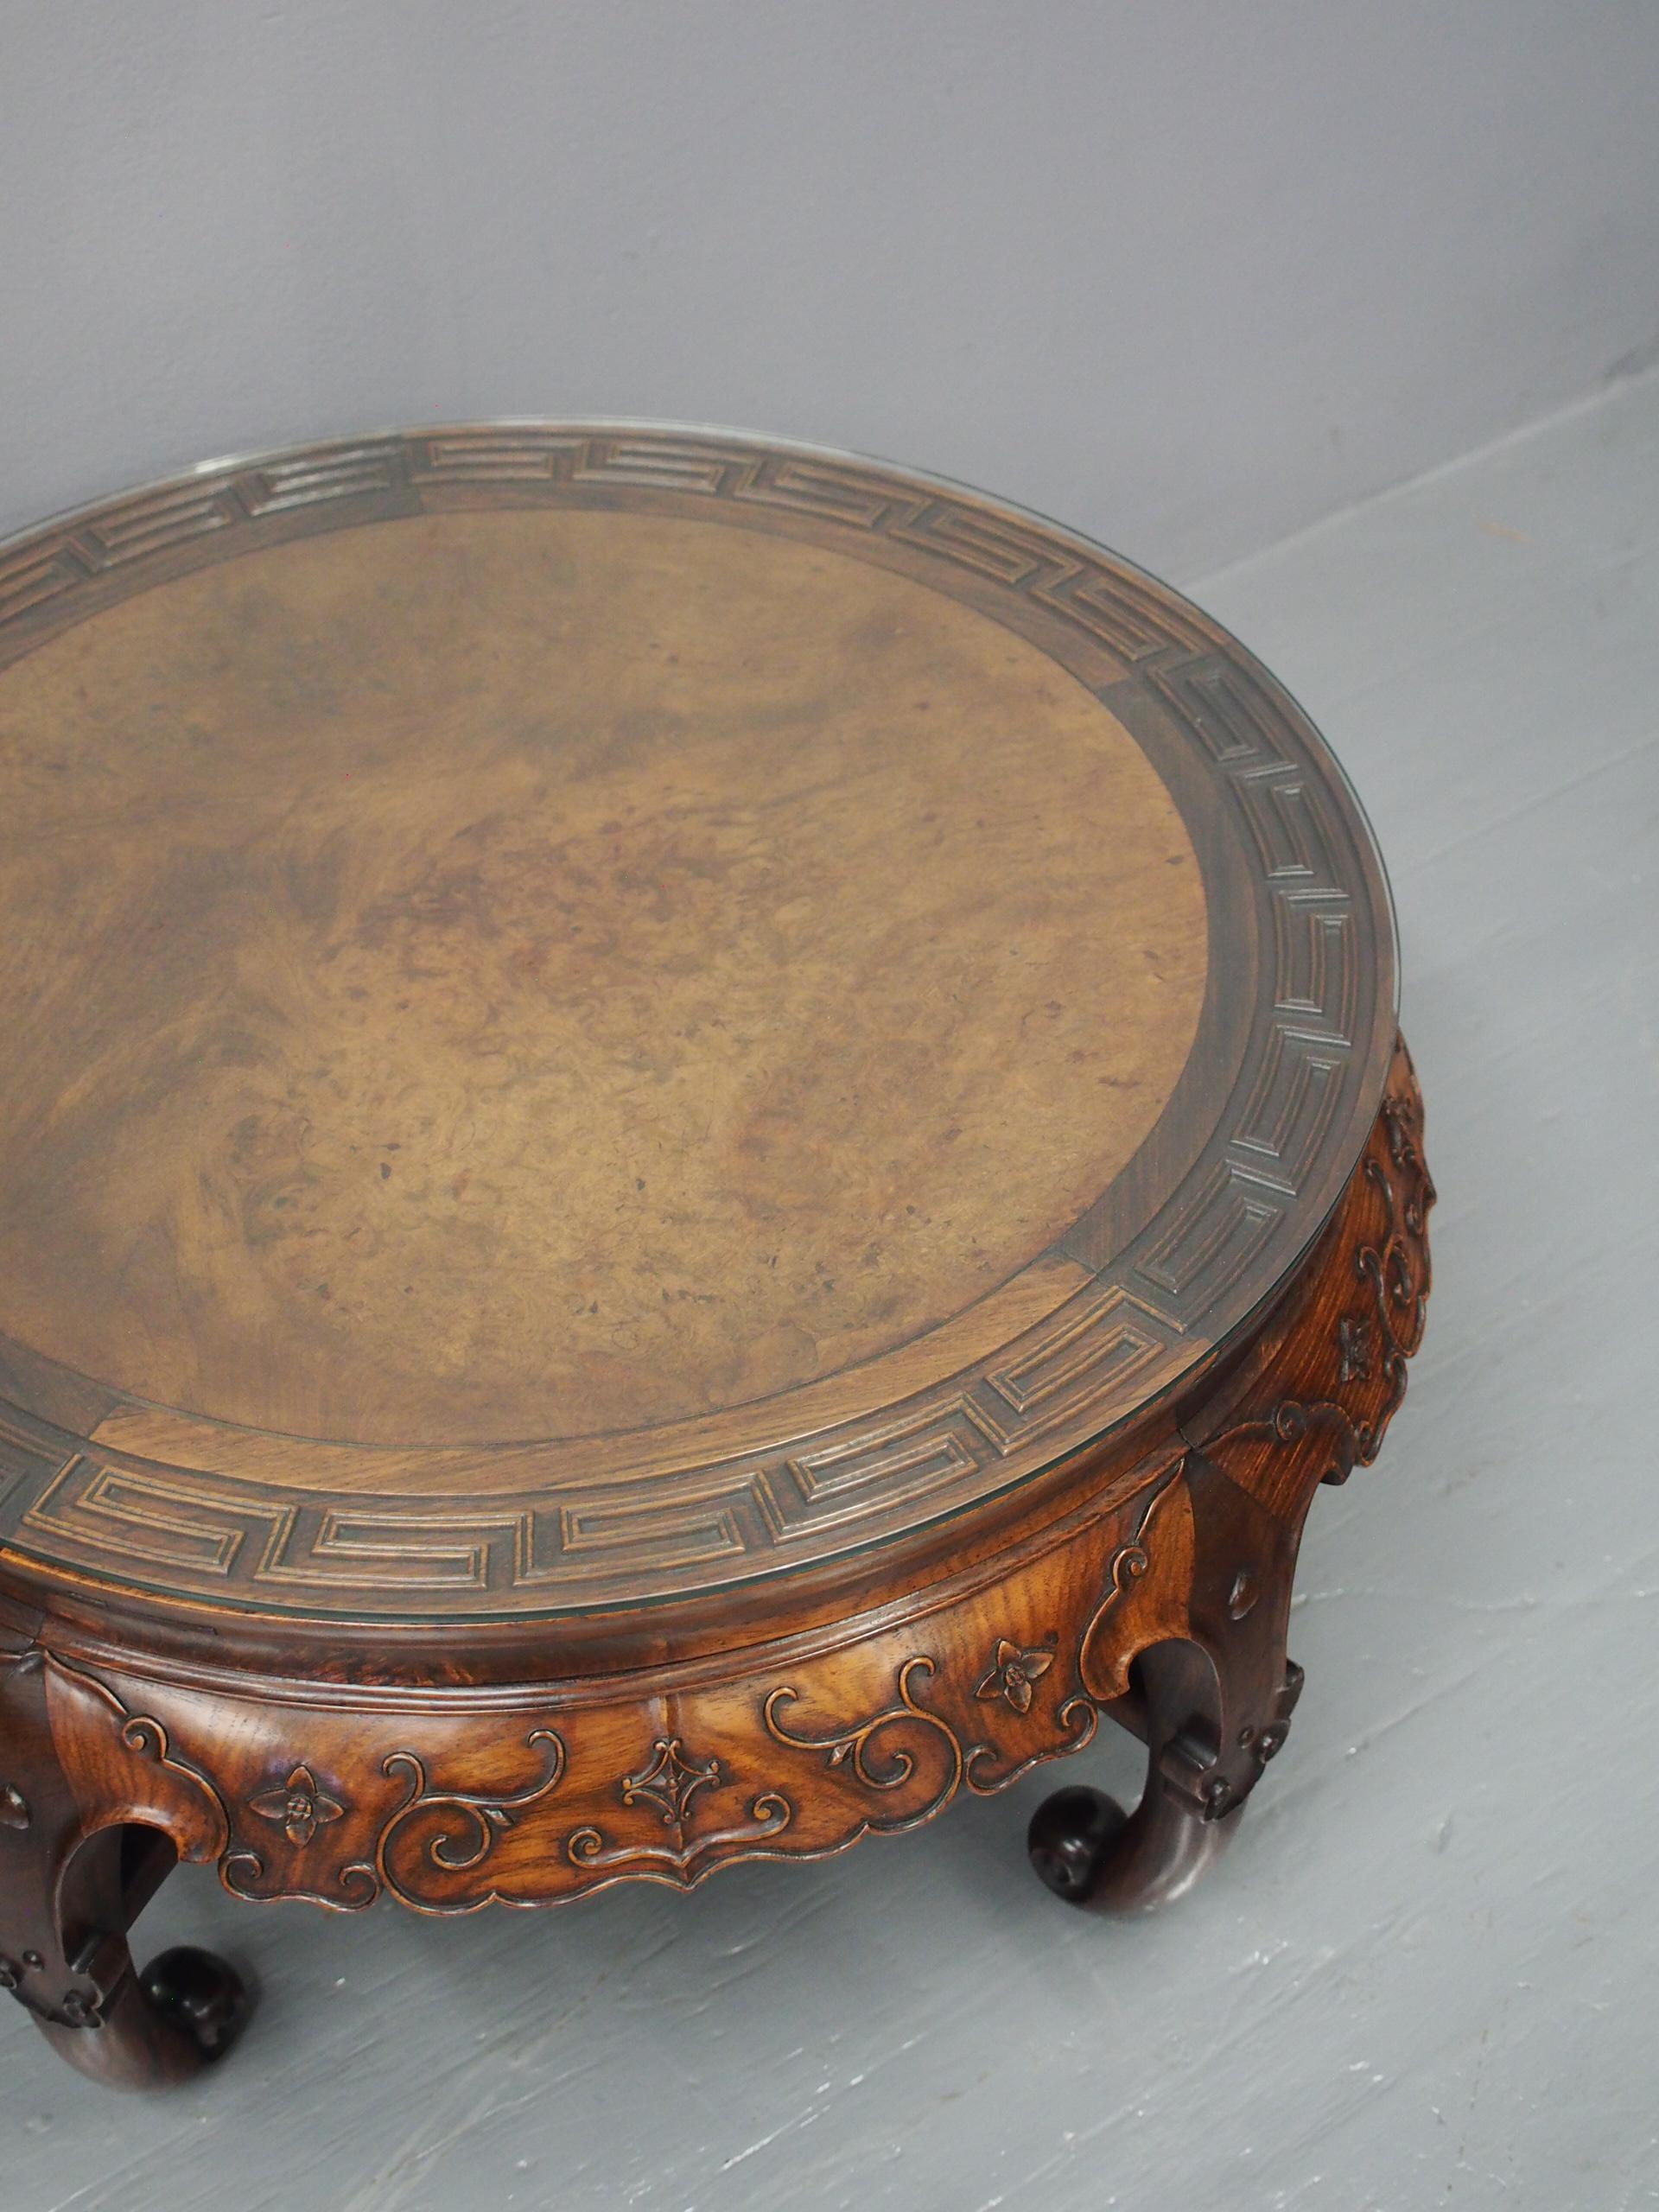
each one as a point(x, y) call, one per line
point(1092, 1360)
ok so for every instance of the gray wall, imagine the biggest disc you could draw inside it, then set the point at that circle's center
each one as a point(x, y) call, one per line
point(1188, 275)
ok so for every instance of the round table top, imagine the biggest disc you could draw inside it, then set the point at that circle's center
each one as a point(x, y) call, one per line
point(599, 1012)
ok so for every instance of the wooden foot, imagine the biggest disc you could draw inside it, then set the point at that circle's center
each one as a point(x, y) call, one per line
point(157, 2030)
point(68, 1895)
point(1090, 1852)
point(1213, 1704)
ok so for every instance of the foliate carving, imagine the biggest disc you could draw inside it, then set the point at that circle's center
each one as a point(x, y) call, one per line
point(122, 1764)
point(300, 1807)
point(880, 1751)
point(904, 1761)
point(668, 1784)
point(1333, 1384)
point(1013, 1673)
point(1108, 1644)
point(477, 1801)
point(1129, 1562)
point(433, 1832)
point(689, 1858)
point(344, 1887)
point(670, 1781)
point(1395, 1264)
point(452, 1832)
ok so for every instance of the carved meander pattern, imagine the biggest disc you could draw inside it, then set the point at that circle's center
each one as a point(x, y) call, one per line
point(233, 1541)
point(450, 1808)
point(1330, 1387)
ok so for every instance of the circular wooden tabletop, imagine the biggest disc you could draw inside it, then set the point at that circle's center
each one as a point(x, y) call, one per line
point(599, 1012)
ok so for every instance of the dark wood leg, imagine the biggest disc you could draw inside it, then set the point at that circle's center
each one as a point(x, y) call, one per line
point(1211, 1689)
point(68, 1896)
point(1214, 1705)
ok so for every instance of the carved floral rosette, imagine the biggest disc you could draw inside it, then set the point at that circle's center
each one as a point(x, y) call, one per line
point(451, 1800)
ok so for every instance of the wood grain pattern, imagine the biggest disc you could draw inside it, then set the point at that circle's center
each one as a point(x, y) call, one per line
point(701, 1165)
point(566, 1095)
point(551, 973)
point(451, 1801)
point(1394, 1907)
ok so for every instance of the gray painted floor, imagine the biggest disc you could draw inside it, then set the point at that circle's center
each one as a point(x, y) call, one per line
point(1429, 1972)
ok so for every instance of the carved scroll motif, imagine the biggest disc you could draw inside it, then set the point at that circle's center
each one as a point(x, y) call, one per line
point(876, 1735)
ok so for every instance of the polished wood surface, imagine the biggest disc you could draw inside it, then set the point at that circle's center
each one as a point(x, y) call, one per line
point(613, 1016)
point(703, 1143)
point(1161, 1601)
point(551, 972)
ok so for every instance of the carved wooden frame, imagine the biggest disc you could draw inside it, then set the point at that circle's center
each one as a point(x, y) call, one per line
point(1300, 878)
point(1158, 1596)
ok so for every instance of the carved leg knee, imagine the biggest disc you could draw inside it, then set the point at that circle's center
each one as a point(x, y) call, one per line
point(68, 1898)
point(1214, 1705)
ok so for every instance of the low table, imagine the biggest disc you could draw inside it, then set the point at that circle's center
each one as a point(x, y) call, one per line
point(700, 1142)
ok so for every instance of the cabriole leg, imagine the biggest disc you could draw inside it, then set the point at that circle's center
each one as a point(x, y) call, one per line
point(1214, 1705)
point(1211, 1688)
point(68, 1897)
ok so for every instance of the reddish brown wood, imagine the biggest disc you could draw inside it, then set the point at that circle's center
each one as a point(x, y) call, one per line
point(1168, 1611)
point(1311, 1398)
point(72, 1880)
point(897, 987)
point(898, 1536)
